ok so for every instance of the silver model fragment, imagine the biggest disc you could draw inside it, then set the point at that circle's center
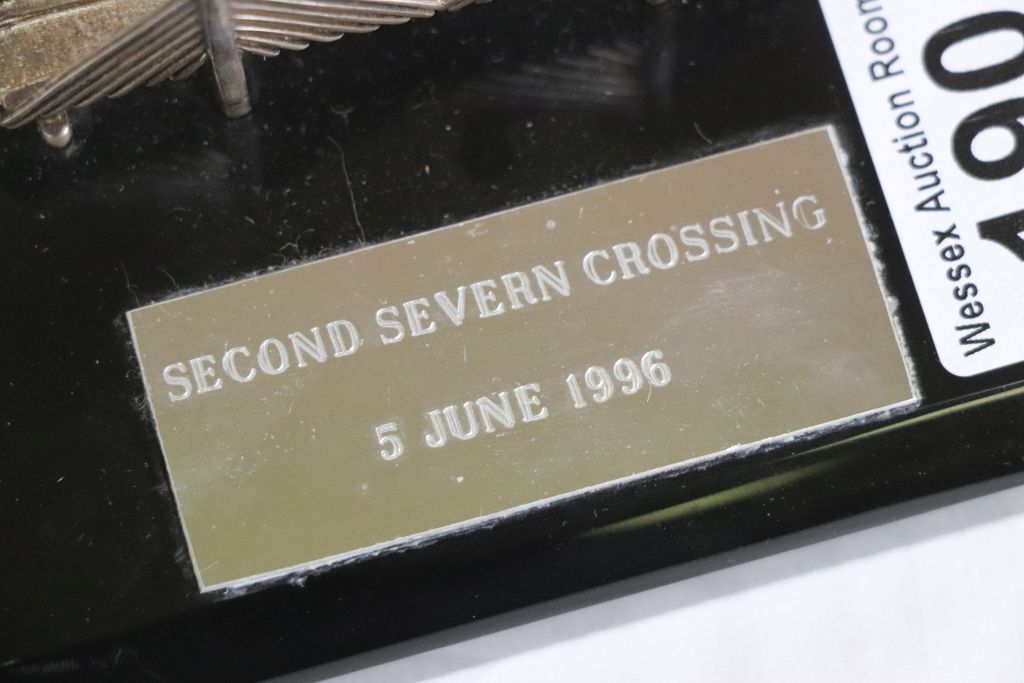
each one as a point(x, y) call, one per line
point(56, 55)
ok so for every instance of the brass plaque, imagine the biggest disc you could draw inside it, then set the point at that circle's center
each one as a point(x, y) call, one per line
point(379, 397)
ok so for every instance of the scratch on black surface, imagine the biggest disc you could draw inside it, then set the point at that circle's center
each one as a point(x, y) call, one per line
point(170, 277)
point(128, 283)
point(696, 127)
point(348, 186)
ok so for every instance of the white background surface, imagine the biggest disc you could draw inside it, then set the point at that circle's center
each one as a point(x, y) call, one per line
point(932, 598)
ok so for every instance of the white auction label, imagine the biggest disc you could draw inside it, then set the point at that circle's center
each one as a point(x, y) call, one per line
point(938, 86)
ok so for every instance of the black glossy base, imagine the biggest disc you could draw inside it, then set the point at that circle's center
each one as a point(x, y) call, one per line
point(375, 137)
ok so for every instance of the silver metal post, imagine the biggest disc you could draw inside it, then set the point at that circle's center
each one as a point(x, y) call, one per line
point(225, 57)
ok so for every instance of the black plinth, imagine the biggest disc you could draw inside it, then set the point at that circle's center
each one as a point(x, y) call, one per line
point(357, 142)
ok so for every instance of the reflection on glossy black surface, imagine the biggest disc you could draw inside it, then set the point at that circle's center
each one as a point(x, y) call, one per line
point(375, 137)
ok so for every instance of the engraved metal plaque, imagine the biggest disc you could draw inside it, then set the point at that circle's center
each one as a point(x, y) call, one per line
point(380, 396)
